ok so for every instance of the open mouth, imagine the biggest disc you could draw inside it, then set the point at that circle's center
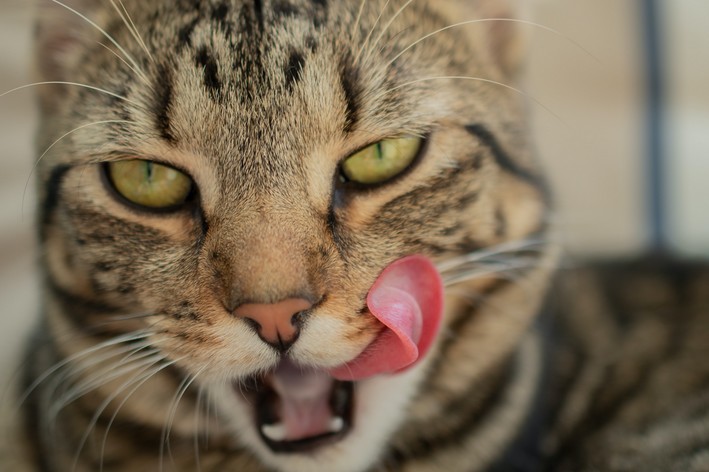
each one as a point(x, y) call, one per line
point(300, 410)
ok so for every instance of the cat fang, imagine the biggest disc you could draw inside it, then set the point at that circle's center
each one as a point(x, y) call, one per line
point(298, 410)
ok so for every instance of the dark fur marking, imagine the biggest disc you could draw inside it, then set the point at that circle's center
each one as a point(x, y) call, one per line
point(40, 346)
point(220, 12)
point(258, 12)
point(77, 308)
point(220, 15)
point(500, 223)
point(468, 199)
point(51, 199)
point(312, 44)
point(477, 162)
point(126, 289)
point(102, 266)
point(458, 324)
point(285, 8)
point(349, 79)
point(452, 230)
point(184, 36)
point(294, 69)
point(503, 159)
point(469, 416)
point(205, 61)
point(320, 15)
point(163, 102)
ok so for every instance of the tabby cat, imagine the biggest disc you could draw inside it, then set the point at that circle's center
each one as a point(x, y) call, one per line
point(251, 214)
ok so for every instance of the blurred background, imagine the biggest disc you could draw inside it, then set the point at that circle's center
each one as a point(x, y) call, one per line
point(629, 162)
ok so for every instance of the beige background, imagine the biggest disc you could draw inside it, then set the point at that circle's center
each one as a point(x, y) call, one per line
point(594, 150)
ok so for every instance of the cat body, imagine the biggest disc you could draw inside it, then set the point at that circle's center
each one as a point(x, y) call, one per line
point(144, 360)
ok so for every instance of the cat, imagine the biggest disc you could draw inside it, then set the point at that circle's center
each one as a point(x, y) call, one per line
point(312, 235)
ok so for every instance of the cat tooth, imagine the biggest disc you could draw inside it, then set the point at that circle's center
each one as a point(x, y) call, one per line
point(337, 424)
point(274, 432)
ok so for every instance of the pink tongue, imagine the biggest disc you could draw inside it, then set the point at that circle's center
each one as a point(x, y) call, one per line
point(407, 299)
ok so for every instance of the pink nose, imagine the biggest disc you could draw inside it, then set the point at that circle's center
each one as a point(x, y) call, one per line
point(276, 323)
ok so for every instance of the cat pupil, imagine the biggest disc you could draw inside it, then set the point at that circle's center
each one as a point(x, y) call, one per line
point(149, 171)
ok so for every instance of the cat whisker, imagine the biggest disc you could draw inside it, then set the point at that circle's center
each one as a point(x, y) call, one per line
point(137, 72)
point(474, 79)
point(494, 263)
point(486, 20)
point(101, 377)
point(102, 31)
point(128, 337)
point(144, 377)
point(371, 31)
point(387, 26)
point(197, 427)
point(359, 16)
point(507, 247)
point(51, 146)
point(128, 21)
point(501, 271)
point(97, 377)
point(208, 415)
point(184, 386)
point(73, 84)
point(119, 319)
point(115, 414)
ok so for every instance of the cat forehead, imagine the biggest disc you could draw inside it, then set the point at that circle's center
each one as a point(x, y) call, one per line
point(275, 72)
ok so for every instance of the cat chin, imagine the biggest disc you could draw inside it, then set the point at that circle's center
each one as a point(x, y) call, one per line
point(378, 409)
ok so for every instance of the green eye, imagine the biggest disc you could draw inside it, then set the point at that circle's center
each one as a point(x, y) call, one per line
point(381, 161)
point(148, 184)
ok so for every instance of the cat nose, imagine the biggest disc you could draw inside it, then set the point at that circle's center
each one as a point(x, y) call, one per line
point(277, 324)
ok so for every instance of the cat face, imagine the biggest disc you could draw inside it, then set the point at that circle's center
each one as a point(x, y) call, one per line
point(255, 110)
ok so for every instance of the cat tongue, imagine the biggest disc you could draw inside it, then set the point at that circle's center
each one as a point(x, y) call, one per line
point(407, 299)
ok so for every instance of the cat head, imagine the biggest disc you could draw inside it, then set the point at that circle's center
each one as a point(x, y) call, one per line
point(211, 157)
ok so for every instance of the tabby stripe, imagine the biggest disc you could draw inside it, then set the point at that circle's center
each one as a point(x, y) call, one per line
point(503, 159)
point(163, 101)
point(206, 62)
point(294, 69)
point(144, 435)
point(77, 308)
point(40, 345)
point(473, 413)
point(469, 416)
point(321, 14)
point(600, 414)
point(258, 12)
point(349, 80)
point(497, 286)
point(51, 198)
point(184, 35)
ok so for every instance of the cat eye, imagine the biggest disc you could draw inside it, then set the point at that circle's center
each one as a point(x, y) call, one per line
point(381, 161)
point(149, 184)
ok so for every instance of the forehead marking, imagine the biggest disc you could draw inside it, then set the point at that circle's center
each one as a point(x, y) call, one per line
point(163, 102)
point(208, 64)
point(294, 68)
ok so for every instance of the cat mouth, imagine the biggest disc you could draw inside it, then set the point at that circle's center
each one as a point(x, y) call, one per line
point(298, 410)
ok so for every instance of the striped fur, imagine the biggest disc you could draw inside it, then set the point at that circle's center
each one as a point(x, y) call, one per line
point(139, 364)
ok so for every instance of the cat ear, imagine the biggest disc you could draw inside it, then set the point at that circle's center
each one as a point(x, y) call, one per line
point(61, 33)
point(506, 40)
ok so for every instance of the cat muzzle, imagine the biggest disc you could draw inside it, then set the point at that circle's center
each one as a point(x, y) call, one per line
point(299, 409)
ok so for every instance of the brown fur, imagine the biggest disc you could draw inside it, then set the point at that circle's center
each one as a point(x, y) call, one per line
point(259, 102)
